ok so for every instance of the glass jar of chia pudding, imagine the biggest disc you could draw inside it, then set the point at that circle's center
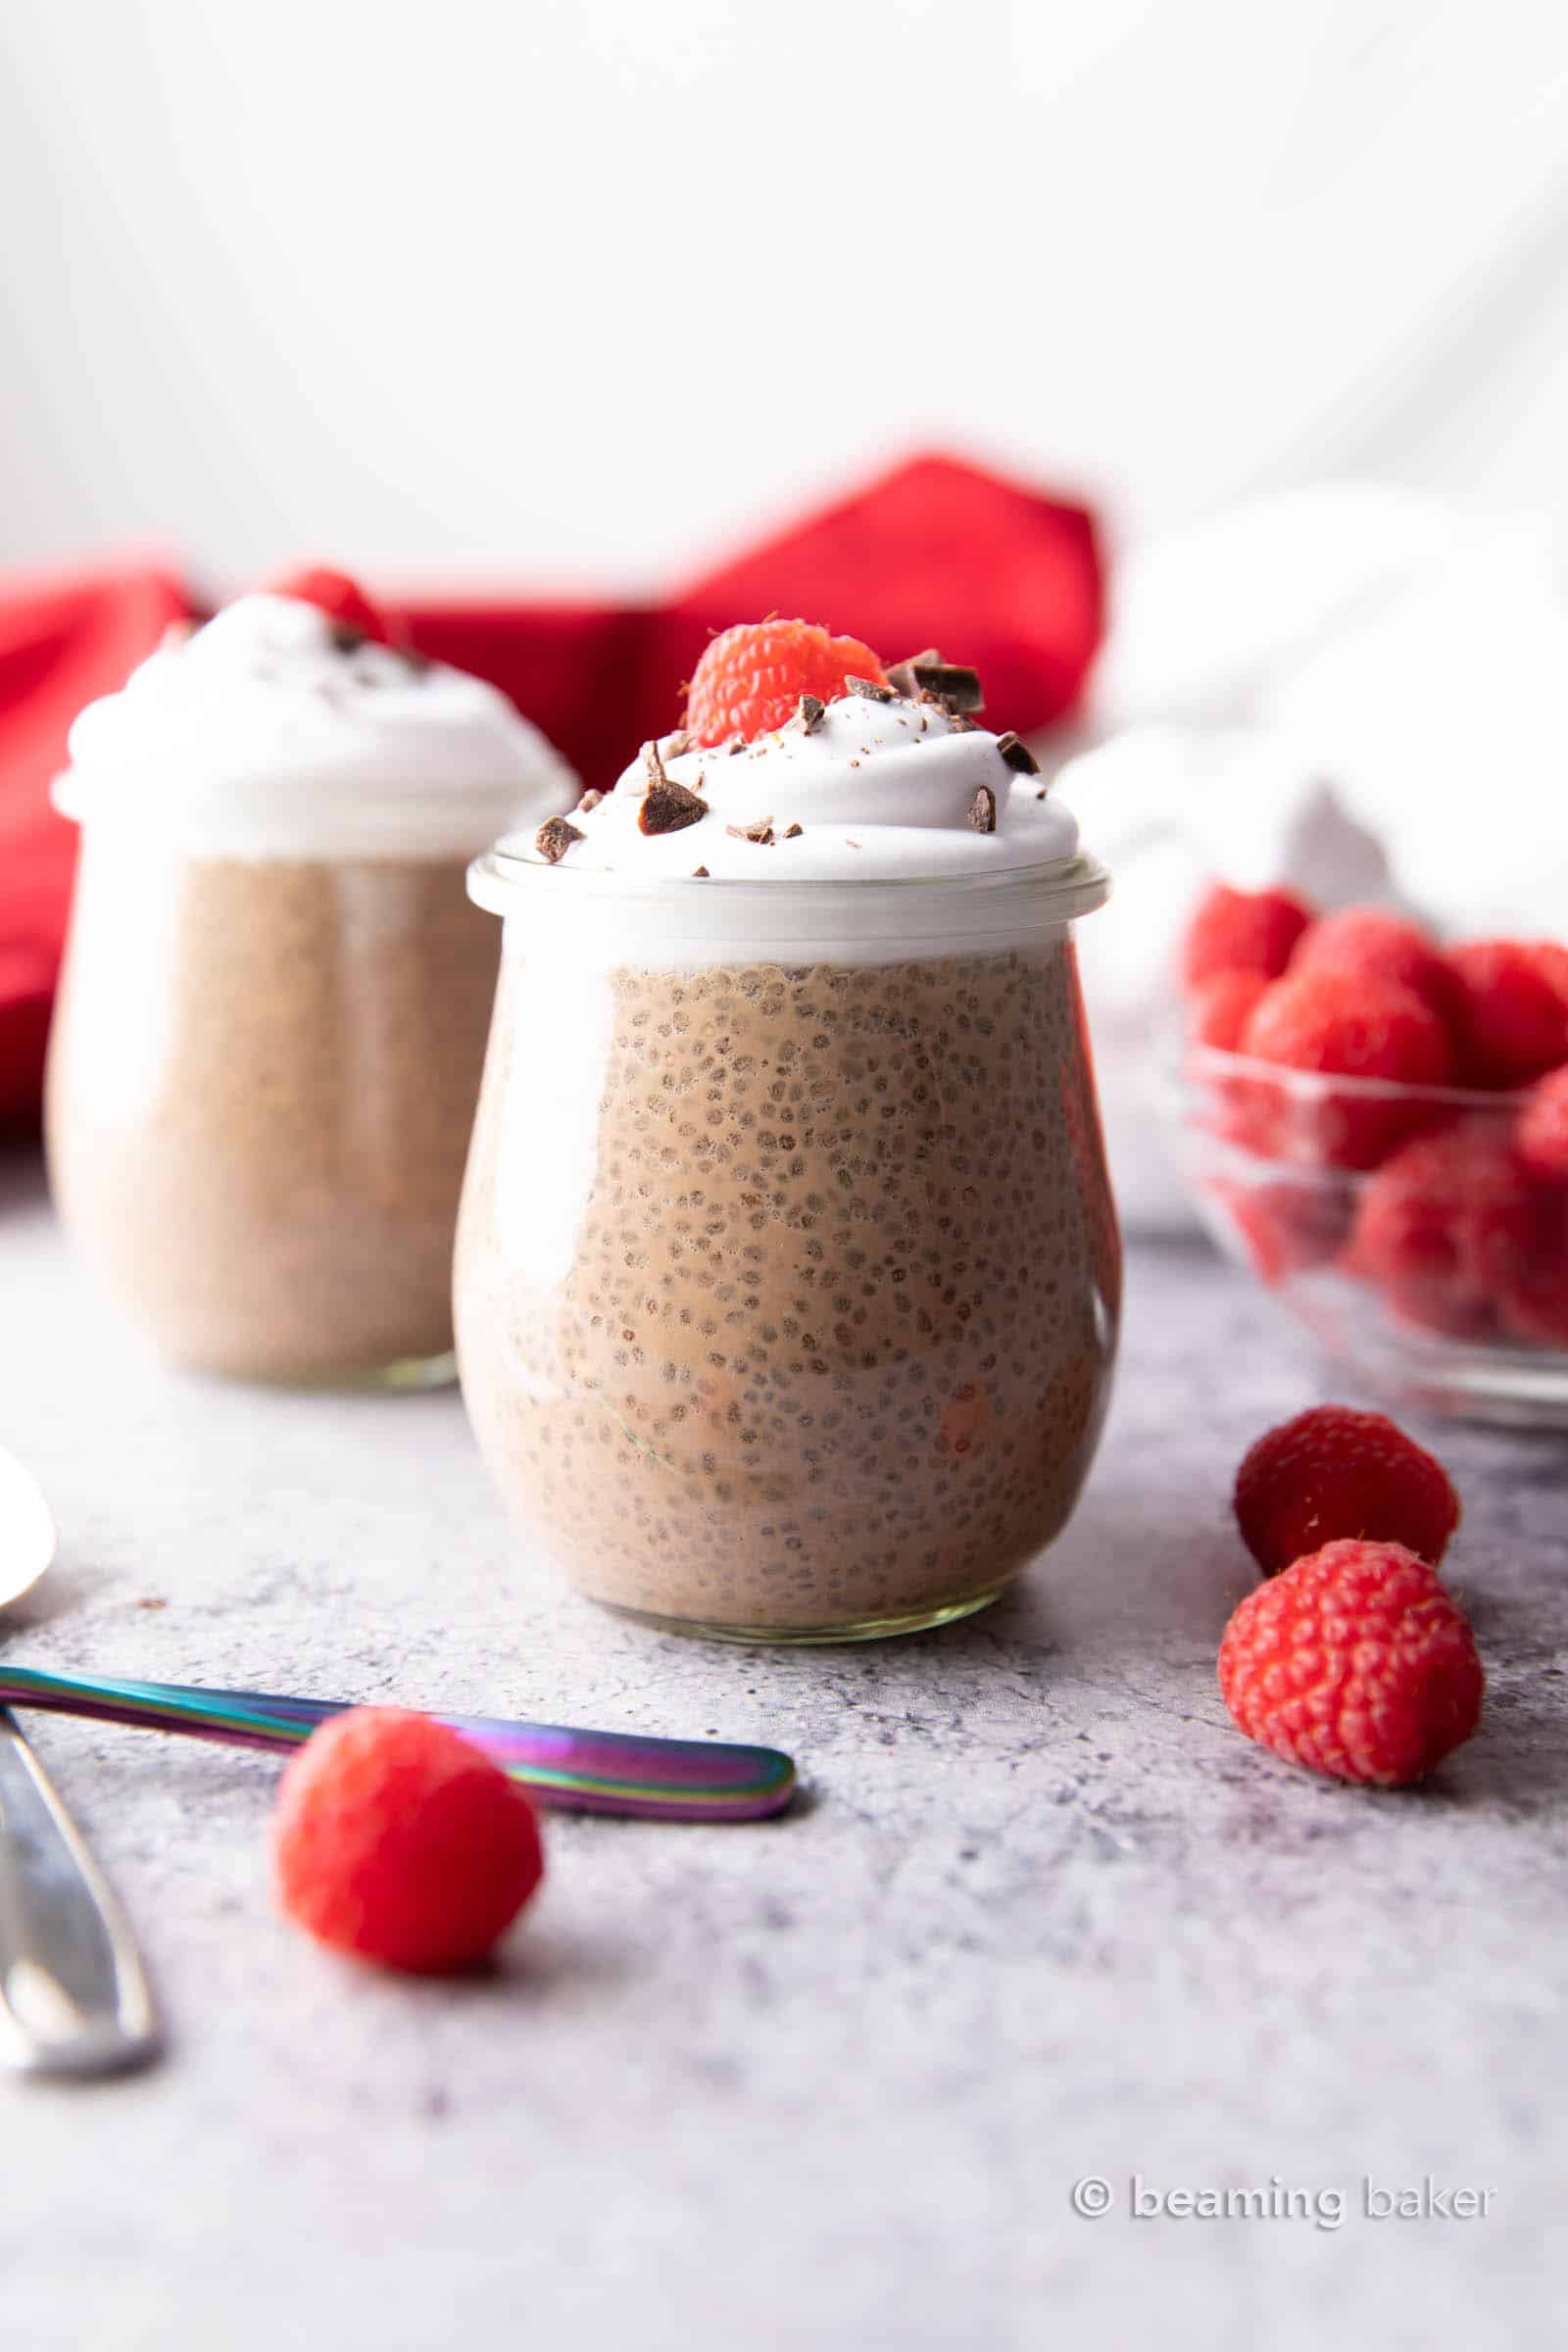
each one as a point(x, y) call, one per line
point(788, 1274)
point(272, 1022)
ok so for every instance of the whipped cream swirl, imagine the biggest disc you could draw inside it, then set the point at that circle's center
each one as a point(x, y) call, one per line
point(272, 732)
point(880, 791)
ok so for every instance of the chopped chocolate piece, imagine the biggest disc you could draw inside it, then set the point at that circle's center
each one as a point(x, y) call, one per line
point(346, 637)
point(875, 694)
point(554, 838)
point(810, 712)
point(983, 811)
point(1017, 755)
point(793, 832)
point(954, 681)
point(1044, 794)
point(669, 808)
point(590, 801)
point(736, 743)
point(761, 831)
point(900, 674)
point(700, 873)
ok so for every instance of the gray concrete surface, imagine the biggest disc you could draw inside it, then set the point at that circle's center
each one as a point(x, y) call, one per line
point(1044, 1915)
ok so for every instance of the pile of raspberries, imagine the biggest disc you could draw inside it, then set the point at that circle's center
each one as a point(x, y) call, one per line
point(1458, 1216)
point(1350, 1658)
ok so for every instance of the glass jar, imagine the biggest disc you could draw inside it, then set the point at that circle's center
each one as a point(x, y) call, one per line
point(262, 1078)
point(788, 1274)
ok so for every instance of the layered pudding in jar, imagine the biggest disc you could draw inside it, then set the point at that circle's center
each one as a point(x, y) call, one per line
point(271, 1023)
point(788, 1275)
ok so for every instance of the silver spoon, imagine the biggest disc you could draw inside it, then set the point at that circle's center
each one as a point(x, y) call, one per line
point(74, 1995)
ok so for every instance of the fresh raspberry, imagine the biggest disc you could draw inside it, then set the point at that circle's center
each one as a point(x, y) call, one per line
point(1334, 1472)
point(1242, 931)
point(1372, 943)
point(1444, 1225)
point(396, 1839)
point(1341, 1027)
point(340, 598)
point(1541, 1134)
point(1222, 1005)
point(1354, 1662)
point(752, 677)
point(1512, 1013)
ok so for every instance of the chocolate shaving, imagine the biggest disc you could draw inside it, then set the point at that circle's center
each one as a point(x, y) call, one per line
point(590, 801)
point(810, 712)
point(554, 838)
point(700, 873)
point(346, 638)
point(901, 675)
point(983, 811)
point(736, 743)
point(761, 831)
point(875, 694)
point(669, 808)
point(1017, 755)
point(793, 832)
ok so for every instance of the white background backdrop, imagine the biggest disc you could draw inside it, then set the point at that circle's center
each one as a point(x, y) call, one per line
point(579, 292)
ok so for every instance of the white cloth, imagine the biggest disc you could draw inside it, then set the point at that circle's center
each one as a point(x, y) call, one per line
point(1359, 692)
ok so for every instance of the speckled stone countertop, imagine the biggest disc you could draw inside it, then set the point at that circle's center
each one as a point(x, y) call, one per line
point(829, 2081)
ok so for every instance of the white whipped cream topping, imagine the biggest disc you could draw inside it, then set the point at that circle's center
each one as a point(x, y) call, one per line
point(258, 736)
point(881, 791)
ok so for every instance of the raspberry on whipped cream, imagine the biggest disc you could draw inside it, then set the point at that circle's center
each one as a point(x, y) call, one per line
point(875, 786)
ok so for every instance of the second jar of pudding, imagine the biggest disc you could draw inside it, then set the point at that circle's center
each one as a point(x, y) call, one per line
point(266, 1051)
point(788, 1275)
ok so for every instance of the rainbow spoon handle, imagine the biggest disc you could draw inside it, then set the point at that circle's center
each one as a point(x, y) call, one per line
point(585, 1772)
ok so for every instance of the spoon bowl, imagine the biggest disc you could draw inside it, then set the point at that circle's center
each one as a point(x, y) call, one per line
point(27, 1530)
point(74, 1995)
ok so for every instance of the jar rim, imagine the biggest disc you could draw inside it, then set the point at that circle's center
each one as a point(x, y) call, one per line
point(499, 880)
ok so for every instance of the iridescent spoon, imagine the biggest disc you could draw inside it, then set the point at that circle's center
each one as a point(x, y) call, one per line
point(74, 1995)
point(585, 1772)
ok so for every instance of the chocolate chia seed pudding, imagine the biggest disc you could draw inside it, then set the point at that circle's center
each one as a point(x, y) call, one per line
point(832, 1346)
point(788, 1276)
point(271, 1024)
point(274, 1196)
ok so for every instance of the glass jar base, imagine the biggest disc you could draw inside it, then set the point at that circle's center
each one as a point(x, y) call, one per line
point(805, 1637)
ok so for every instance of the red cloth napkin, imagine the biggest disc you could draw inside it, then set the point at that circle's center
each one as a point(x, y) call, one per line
point(64, 638)
point(994, 572)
